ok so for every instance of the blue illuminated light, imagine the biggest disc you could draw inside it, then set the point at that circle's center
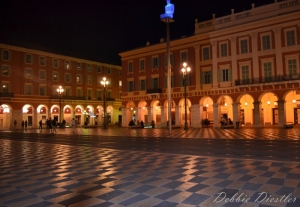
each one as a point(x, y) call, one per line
point(169, 11)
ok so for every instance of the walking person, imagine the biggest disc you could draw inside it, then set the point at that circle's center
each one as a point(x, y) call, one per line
point(50, 125)
point(15, 123)
point(40, 125)
point(54, 125)
point(25, 125)
point(73, 125)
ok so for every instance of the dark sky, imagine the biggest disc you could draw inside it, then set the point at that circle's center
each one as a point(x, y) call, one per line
point(100, 29)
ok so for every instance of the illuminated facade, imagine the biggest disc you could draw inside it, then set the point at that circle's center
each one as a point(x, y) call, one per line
point(29, 83)
point(244, 66)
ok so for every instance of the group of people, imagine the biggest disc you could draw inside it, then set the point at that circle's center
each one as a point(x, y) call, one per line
point(51, 124)
point(226, 121)
point(141, 124)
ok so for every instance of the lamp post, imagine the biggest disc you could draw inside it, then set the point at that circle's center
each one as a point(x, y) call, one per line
point(60, 91)
point(104, 82)
point(167, 17)
point(185, 70)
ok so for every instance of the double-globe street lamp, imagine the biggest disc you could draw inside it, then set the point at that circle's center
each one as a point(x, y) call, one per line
point(185, 70)
point(104, 82)
point(60, 91)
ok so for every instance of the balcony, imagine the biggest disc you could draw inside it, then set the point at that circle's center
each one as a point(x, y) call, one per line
point(271, 79)
point(154, 90)
point(68, 97)
point(10, 95)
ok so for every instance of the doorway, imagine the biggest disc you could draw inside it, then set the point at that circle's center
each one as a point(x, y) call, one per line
point(296, 115)
point(275, 116)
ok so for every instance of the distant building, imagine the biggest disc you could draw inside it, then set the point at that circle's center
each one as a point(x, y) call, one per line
point(244, 66)
point(30, 79)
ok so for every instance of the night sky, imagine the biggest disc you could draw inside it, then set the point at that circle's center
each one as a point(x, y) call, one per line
point(100, 29)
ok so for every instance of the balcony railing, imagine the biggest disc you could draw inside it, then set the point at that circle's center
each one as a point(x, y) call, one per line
point(154, 90)
point(6, 94)
point(270, 79)
point(110, 99)
point(69, 97)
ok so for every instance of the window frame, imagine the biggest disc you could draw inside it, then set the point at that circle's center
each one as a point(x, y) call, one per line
point(204, 55)
point(42, 61)
point(3, 55)
point(287, 41)
point(130, 66)
point(28, 58)
point(223, 50)
point(28, 71)
point(266, 34)
point(6, 67)
point(241, 45)
point(58, 76)
point(44, 72)
point(55, 63)
point(80, 79)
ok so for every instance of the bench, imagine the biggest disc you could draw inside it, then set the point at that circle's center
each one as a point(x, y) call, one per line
point(288, 125)
point(230, 126)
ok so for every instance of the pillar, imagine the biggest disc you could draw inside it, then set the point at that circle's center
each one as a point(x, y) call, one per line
point(126, 116)
point(217, 115)
point(215, 66)
point(281, 113)
point(177, 115)
point(197, 66)
point(254, 43)
point(196, 115)
point(236, 112)
point(233, 60)
point(257, 114)
point(150, 115)
point(163, 116)
point(279, 66)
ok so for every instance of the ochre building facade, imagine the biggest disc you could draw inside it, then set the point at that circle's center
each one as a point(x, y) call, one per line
point(244, 66)
point(29, 83)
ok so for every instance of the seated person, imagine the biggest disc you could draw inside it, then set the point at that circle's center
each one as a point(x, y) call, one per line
point(229, 121)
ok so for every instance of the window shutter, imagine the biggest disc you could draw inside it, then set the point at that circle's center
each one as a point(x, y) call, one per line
point(229, 74)
point(172, 81)
point(180, 80)
point(172, 59)
point(211, 76)
point(151, 83)
point(219, 75)
point(202, 80)
point(158, 62)
point(151, 63)
point(139, 85)
point(165, 81)
point(127, 86)
point(188, 77)
point(165, 61)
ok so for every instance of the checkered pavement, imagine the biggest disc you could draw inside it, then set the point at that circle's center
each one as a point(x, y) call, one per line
point(39, 174)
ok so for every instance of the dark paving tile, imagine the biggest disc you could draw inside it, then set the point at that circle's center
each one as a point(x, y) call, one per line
point(134, 199)
point(179, 170)
point(111, 195)
point(276, 181)
point(195, 199)
point(173, 184)
point(166, 204)
point(251, 186)
point(285, 169)
point(292, 176)
point(20, 199)
point(294, 203)
point(196, 188)
point(277, 164)
point(262, 168)
point(131, 177)
point(238, 166)
point(197, 179)
point(105, 180)
point(224, 183)
point(98, 187)
point(122, 185)
point(74, 185)
point(156, 173)
point(267, 174)
point(168, 194)
point(150, 180)
point(74, 200)
point(233, 204)
point(222, 175)
point(48, 187)
point(246, 178)
point(285, 190)
point(41, 204)
point(241, 171)
point(143, 188)
point(175, 177)
point(221, 169)
point(47, 197)
point(105, 204)
point(9, 193)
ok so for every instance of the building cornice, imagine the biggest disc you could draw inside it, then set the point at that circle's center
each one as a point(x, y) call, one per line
point(47, 54)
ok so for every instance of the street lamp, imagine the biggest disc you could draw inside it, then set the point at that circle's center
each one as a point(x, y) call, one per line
point(185, 70)
point(104, 82)
point(60, 91)
point(167, 17)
